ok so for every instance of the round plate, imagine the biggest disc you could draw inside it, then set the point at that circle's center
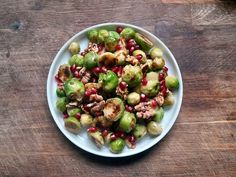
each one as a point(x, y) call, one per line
point(82, 140)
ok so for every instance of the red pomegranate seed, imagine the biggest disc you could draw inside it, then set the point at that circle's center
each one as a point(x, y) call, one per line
point(161, 76)
point(88, 93)
point(162, 87)
point(113, 137)
point(105, 133)
point(92, 129)
point(136, 47)
point(123, 85)
point(165, 69)
point(129, 108)
point(162, 82)
point(120, 70)
point(93, 91)
point(78, 116)
point(115, 69)
point(73, 68)
point(76, 74)
point(154, 103)
point(118, 47)
point(57, 79)
point(119, 29)
point(103, 69)
point(143, 97)
point(130, 43)
point(82, 53)
point(100, 47)
point(139, 57)
point(65, 115)
point(131, 50)
point(120, 134)
point(144, 81)
point(132, 139)
point(96, 70)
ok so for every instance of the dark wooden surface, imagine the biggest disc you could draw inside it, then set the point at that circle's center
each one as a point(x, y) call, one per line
point(202, 36)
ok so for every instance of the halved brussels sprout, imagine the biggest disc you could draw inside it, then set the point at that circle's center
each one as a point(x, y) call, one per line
point(133, 98)
point(93, 35)
point(156, 52)
point(127, 33)
point(90, 59)
point(159, 114)
point(60, 92)
point(117, 145)
point(150, 89)
point(74, 48)
point(113, 109)
point(140, 52)
point(158, 63)
point(154, 128)
point(107, 59)
point(97, 137)
point(73, 111)
point(77, 60)
point(132, 75)
point(72, 125)
point(74, 89)
point(169, 99)
point(102, 35)
point(86, 120)
point(64, 72)
point(144, 42)
point(127, 122)
point(139, 131)
point(61, 104)
point(172, 82)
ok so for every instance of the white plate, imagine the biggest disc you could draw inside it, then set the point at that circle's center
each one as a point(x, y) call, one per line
point(82, 139)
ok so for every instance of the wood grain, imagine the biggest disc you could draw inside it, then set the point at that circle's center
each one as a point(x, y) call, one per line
point(201, 35)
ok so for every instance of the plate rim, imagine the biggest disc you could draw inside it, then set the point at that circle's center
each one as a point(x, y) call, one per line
point(136, 151)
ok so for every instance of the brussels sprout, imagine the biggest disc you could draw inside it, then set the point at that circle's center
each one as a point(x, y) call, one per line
point(114, 34)
point(169, 99)
point(117, 145)
point(158, 63)
point(109, 81)
point(73, 111)
point(90, 60)
point(61, 104)
point(120, 57)
point(154, 128)
point(145, 43)
point(150, 89)
point(113, 109)
point(77, 60)
point(92, 35)
point(133, 98)
point(172, 82)
point(156, 52)
point(132, 75)
point(64, 73)
point(127, 33)
point(72, 125)
point(74, 89)
point(60, 92)
point(97, 137)
point(159, 114)
point(110, 44)
point(140, 52)
point(74, 48)
point(86, 120)
point(139, 131)
point(102, 35)
point(152, 76)
point(127, 122)
point(107, 59)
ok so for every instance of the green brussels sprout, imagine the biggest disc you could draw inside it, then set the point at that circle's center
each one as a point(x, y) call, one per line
point(127, 122)
point(154, 128)
point(140, 52)
point(114, 34)
point(158, 63)
point(127, 33)
point(61, 104)
point(159, 114)
point(117, 145)
point(113, 109)
point(152, 76)
point(120, 57)
point(133, 98)
point(156, 52)
point(172, 82)
point(86, 120)
point(73, 111)
point(72, 125)
point(74, 48)
point(64, 72)
point(102, 35)
point(97, 137)
point(90, 60)
point(74, 89)
point(107, 59)
point(150, 89)
point(77, 60)
point(169, 99)
point(139, 131)
point(93, 35)
point(132, 75)
point(60, 92)
point(144, 42)
point(110, 44)
point(109, 81)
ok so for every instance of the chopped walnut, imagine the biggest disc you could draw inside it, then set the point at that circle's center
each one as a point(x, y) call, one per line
point(72, 104)
point(159, 99)
point(147, 114)
point(132, 60)
point(95, 97)
point(95, 105)
point(122, 93)
point(92, 85)
point(85, 79)
point(91, 47)
point(98, 107)
point(144, 110)
point(146, 66)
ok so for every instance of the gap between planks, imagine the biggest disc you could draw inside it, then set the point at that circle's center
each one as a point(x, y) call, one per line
point(208, 122)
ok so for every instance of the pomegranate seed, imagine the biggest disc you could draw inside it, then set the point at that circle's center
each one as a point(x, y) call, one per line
point(129, 108)
point(86, 108)
point(143, 97)
point(73, 68)
point(105, 133)
point(98, 113)
point(131, 43)
point(120, 70)
point(113, 137)
point(131, 50)
point(92, 129)
point(120, 134)
point(93, 91)
point(162, 87)
point(136, 47)
point(162, 82)
point(115, 69)
point(57, 79)
point(76, 74)
point(78, 116)
point(100, 47)
point(88, 93)
point(65, 115)
point(144, 81)
point(103, 69)
point(118, 47)
point(154, 103)
point(165, 69)
point(139, 57)
point(131, 139)
point(119, 29)
point(123, 85)
point(96, 70)
point(82, 53)
point(161, 76)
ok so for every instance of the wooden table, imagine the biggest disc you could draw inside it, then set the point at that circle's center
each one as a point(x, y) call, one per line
point(202, 36)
